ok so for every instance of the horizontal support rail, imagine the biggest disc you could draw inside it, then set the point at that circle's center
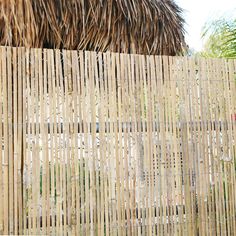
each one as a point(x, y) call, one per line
point(110, 127)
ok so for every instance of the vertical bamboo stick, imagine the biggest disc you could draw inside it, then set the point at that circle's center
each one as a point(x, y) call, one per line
point(37, 142)
point(56, 178)
point(217, 150)
point(150, 143)
point(138, 138)
point(228, 150)
point(102, 149)
point(51, 105)
point(135, 157)
point(193, 116)
point(6, 153)
point(82, 157)
point(126, 152)
point(121, 142)
point(221, 149)
point(15, 136)
point(97, 154)
point(232, 102)
point(63, 79)
point(41, 142)
point(76, 201)
point(130, 132)
point(143, 125)
point(159, 81)
point(175, 152)
point(106, 149)
point(180, 177)
point(10, 139)
point(60, 152)
point(85, 151)
point(119, 162)
point(1, 151)
point(164, 144)
point(20, 105)
point(25, 60)
point(110, 165)
point(170, 160)
point(66, 141)
point(32, 151)
point(116, 175)
point(92, 104)
point(155, 134)
point(43, 131)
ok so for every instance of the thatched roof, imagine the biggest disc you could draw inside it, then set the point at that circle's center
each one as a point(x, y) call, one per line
point(131, 26)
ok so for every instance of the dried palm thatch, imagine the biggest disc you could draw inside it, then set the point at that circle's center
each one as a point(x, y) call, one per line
point(130, 26)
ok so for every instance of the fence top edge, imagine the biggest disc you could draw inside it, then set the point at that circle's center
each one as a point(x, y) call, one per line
point(184, 58)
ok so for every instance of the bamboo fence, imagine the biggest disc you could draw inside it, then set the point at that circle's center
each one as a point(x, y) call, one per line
point(116, 144)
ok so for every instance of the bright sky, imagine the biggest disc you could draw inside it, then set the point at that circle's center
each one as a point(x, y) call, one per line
point(197, 12)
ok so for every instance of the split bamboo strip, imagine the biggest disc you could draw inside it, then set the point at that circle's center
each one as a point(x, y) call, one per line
point(101, 144)
point(120, 82)
point(23, 166)
point(75, 164)
point(98, 158)
point(194, 146)
point(42, 93)
point(1, 152)
point(139, 148)
point(15, 134)
point(174, 145)
point(55, 185)
point(51, 107)
point(232, 86)
point(131, 132)
point(149, 151)
point(61, 136)
point(116, 174)
point(82, 161)
point(10, 140)
point(67, 141)
point(5, 162)
point(126, 139)
point(20, 105)
point(134, 136)
point(106, 149)
point(155, 147)
point(38, 147)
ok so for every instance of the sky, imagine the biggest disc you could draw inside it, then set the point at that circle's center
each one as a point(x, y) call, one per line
point(197, 12)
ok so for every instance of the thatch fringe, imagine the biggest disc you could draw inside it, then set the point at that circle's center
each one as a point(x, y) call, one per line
point(134, 26)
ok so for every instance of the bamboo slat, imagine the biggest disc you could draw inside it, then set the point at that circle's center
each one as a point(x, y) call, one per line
point(5, 163)
point(15, 138)
point(1, 153)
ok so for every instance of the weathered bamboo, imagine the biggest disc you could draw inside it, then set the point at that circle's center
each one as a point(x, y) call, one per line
point(116, 144)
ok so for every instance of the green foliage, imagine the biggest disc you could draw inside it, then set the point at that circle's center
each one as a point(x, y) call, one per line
point(220, 38)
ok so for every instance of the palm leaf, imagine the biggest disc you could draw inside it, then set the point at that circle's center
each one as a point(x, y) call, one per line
point(220, 38)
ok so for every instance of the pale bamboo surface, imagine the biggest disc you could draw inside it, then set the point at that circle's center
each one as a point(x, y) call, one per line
point(116, 144)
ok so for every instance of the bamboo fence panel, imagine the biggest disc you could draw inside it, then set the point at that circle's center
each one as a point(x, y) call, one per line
point(116, 144)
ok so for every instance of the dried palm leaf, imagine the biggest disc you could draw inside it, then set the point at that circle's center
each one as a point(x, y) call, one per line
point(134, 26)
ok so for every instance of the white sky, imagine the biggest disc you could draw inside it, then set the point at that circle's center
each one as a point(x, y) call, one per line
point(197, 12)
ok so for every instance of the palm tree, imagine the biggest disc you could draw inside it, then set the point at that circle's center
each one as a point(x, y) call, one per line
point(137, 26)
point(220, 36)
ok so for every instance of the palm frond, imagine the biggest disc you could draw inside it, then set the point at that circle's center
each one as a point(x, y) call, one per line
point(220, 37)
